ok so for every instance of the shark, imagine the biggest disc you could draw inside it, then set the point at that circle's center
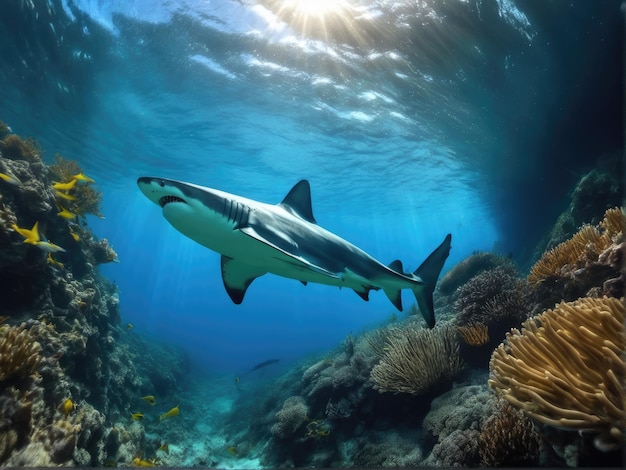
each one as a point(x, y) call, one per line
point(255, 238)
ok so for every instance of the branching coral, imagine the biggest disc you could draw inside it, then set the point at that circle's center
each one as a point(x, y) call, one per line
point(566, 368)
point(14, 147)
point(19, 352)
point(416, 361)
point(474, 335)
point(583, 247)
point(84, 198)
point(508, 438)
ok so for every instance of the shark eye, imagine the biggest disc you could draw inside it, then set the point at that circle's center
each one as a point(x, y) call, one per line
point(162, 183)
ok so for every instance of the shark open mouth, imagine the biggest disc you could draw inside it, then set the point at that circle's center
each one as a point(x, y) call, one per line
point(167, 199)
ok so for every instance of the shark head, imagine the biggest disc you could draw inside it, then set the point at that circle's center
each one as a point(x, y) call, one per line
point(162, 191)
point(205, 215)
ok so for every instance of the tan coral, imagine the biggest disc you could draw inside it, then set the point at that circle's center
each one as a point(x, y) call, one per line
point(614, 223)
point(584, 246)
point(566, 368)
point(19, 353)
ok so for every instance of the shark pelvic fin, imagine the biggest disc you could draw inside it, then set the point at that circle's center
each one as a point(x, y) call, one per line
point(298, 201)
point(237, 277)
point(364, 294)
point(395, 297)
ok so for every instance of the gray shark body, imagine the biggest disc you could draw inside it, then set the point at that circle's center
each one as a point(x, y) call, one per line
point(256, 238)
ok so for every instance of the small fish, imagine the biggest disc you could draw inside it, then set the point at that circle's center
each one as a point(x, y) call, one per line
point(170, 414)
point(64, 186)
point(237, 380)
point(74, 235)
point(69, 197)
point(165, 448)
point(232, 450)
point(67, 215)
point(82, 178)
point(130, 326)
point(54, 262)
point(148, 398)
point(68, 406)
point(10, 179)
point(49, 247)
point(30, 236)
point(137, 416)
point(137, 462)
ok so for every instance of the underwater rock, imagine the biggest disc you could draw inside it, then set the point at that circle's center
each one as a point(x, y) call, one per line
point(462, 408)
point(386, 449)
point(594, 193)
point(457, 449)
point(290, 418)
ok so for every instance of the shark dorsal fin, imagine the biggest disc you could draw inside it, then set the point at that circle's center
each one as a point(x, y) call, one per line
point(298, 201)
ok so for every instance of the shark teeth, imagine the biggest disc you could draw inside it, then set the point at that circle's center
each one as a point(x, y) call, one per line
point(167, 199)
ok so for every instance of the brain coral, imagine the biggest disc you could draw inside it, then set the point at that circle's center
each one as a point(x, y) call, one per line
point(19, 352)
point(566, 368)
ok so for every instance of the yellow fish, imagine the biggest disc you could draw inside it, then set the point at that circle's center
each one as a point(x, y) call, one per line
point(30, 236)
point(54, 262)
point(66, 214)
point(130, 326)
point(81, 177)
point(137, 462)
point(170, 414)
point(69, 197)
point(232, 450)
point(74, 235)
point(137, 416)
point(68, 406)
point(165, 448)
point(148, 398)
point(64, 186)
point(10, 179)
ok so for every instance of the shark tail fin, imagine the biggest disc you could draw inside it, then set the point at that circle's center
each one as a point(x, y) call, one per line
point(429, 272)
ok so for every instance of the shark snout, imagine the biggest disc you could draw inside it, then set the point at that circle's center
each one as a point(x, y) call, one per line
point(159, 190)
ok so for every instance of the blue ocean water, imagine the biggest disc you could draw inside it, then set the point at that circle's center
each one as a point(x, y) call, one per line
point(411, 120)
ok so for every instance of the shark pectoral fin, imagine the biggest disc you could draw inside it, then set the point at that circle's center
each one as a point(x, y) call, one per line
point(304, 283)
point(237, 277)
point(275, 241)
point(394, 296)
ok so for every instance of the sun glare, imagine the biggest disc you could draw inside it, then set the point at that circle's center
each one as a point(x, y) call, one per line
point(316, 8)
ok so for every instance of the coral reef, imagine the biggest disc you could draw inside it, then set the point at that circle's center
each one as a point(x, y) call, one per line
point(68, 371)
point(566, 368)
point(417, 361)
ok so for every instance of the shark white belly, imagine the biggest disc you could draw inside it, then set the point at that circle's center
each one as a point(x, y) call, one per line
point(255, 238)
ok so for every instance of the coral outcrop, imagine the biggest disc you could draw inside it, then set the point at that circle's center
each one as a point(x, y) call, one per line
point(68, 371)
